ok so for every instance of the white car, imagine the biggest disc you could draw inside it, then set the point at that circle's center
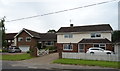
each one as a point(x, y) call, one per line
point(95, 50)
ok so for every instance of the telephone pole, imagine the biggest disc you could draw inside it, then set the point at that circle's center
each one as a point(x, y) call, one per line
point(2, 32)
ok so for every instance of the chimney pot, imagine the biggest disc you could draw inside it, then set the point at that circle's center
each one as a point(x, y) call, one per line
point(71, 25)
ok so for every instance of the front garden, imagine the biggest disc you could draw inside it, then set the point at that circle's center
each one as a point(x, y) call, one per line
point(88, 62)
point(15, 57)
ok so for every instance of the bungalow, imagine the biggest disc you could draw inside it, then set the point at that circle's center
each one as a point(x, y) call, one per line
point(79, 38)
point(27, 39)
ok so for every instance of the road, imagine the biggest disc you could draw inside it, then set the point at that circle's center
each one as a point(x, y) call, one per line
point(44, 63)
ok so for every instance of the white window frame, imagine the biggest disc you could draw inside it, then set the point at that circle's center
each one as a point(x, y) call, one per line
point(68, 35)
point(20, 39)
point(9, 40)
point(95, 35)
point(12, 40)
point(68, 45)
point(28, 40)
point(99, 44)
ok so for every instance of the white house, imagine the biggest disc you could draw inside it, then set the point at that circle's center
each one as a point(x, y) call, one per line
point(80, 38)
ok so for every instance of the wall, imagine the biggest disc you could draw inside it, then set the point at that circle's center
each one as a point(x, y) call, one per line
point(79, 36)
point(90, 56)
point(32, 43)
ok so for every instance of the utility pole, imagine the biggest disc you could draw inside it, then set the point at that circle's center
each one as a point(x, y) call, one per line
point(2, 32)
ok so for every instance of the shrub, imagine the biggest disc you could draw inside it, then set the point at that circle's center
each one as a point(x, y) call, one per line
point(28, 51)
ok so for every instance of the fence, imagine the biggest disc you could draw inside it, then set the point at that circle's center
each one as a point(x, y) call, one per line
point(42, 52)
point(113, 57)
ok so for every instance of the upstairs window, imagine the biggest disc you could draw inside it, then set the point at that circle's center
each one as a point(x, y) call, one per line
point(9, 40)
point(95, 35)
point(28, 39)
point(20, 39)
point(68, 36)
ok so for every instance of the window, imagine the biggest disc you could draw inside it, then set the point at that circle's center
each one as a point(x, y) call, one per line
point(94, 35)
point(81, 48)
point(28, 39)
point(49, 43)
point(103, 46)
point(67, 47)
point(12, 40)
point(9, 40)
point(96, 45)
point(68, 36)
point(20, 39)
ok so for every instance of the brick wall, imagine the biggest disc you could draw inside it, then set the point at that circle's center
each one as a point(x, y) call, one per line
point(32, 43)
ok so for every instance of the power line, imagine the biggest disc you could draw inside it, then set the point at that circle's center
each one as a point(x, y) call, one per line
point(61, 11)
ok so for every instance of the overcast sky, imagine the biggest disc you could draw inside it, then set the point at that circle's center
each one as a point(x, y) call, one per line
point(14, 9)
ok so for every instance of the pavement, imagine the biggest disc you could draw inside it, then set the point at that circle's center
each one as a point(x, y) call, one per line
point(46, 62)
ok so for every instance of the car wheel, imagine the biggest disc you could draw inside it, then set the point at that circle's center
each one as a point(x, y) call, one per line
point(91, 52)
point(108, 53)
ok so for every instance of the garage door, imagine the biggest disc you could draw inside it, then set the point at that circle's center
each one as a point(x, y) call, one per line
point(24, 48)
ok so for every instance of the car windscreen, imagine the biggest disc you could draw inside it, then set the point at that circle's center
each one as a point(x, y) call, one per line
point(94, 49)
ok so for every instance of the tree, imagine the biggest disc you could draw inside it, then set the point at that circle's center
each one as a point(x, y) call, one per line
point(2, 28)
point(116, 36)
point(51, 31)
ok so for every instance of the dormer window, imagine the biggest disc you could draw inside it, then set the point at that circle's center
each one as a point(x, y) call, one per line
point(95, 35)
point(68, 35)
point(28, 39)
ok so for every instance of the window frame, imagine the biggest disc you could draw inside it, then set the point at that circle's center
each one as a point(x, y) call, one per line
point(100, 45)
point(51, 43)
point(68, 47)
point(95, 35)
point(20, 39)
point(27, 39)
point(68, 35)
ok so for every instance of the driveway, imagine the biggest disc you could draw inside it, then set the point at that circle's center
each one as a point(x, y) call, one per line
point(45, 62)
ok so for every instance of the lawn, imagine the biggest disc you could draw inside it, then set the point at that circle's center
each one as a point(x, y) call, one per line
point(15, 57)
point(88, 62)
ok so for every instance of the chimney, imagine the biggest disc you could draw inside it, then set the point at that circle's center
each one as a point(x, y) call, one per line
point(71, 25)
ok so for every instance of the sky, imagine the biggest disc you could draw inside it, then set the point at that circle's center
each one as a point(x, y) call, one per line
point(15, 9)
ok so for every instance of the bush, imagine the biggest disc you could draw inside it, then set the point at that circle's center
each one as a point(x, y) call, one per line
point(4, 50)
point(28, 51)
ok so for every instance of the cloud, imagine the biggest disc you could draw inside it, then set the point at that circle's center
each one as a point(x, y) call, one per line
point(105, 13)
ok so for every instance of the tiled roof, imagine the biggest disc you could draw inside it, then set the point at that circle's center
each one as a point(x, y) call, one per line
point(95, 41)
point(10, 36)
point(100, 27)
point(48, 37)
point(43, 36)
point(33, 33)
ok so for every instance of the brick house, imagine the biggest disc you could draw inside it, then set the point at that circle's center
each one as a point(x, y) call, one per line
point(27, 39)
point(80, 38)
point(9, 37)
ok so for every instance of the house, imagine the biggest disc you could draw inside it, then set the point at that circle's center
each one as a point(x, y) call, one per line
point(9, 37)
point(27, 39)
point(78, 39)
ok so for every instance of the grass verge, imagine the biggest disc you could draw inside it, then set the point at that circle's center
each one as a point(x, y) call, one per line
point(15, 57)
point(88, 62)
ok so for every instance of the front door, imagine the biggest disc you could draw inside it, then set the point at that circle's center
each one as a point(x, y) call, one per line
point(81, 48)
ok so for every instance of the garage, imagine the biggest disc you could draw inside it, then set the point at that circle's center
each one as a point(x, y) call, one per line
point(24, 48)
